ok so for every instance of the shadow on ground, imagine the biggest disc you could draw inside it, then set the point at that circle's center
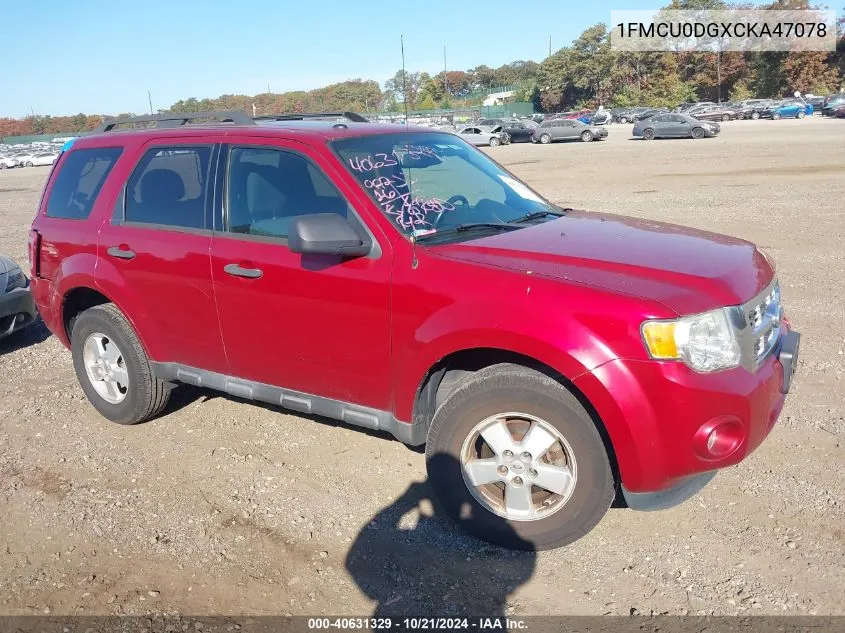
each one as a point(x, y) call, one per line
point(413, 560)
point(31, 335)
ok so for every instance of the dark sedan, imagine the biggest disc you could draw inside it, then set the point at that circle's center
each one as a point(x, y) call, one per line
point(831, 102)
point(674, 126)
point(517, 132)
point(17, 309)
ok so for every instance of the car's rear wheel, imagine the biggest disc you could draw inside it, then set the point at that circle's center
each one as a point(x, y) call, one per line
point(623, 119)
point(776, 116)
point(755, 115)
point(698, 132)
point(494, 142)
point(545, 139)
point(801, 114)
point(586, 136)
point(648, 134)
point(28, 163)
point(515, 459)
point(113, 368)
point(726, 117)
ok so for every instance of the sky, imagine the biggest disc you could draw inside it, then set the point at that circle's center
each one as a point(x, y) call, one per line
point(101, 57)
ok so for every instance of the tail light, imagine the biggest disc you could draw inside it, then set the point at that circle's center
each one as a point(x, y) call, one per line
point(34, 250)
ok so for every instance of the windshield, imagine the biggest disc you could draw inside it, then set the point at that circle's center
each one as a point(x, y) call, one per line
point(428, 183)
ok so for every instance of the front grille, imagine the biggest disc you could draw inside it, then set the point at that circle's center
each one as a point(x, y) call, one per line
point(763, 318)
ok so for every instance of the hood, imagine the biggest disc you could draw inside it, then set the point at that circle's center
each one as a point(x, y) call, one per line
point(7, 264)
point(687, 270)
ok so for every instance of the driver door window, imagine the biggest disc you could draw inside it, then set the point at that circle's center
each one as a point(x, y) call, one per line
point(268, 188)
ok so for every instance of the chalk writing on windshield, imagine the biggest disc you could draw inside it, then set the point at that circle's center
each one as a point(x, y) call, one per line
point(410, 212)
point(404, 153)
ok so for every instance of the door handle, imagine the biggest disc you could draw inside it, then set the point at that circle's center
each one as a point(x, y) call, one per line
point(121, 252)
point(238, 271)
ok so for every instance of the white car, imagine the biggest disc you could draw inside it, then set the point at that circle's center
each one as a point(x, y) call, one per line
point(7, 162)
point(478, 136)
point(41, 158)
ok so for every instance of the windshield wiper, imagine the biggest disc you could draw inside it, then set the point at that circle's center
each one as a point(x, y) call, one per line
point(536, 215)
point(473, 226)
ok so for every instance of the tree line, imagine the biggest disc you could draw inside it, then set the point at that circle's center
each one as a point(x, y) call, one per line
point(584, 74)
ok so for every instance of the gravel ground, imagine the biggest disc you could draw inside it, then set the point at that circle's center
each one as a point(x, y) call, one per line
point(227, 507)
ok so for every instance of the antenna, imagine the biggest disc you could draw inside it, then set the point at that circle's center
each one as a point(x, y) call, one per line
point(404, 79)
point(150, 99)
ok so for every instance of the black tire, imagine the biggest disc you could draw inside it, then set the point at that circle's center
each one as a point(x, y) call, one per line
point(755, 116)
point(801, 114)
point(726, 117)
point(648, 134)
point(776, 116)
point(28, 163)
point(586, 136)
point(147, 395)
point(504, 388)
point(545, 139)
point(623, 119)
point(494, 142)
point(2, 165)
point(698, 132)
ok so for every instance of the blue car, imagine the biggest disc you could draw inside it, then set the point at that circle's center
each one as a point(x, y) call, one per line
point(789, 109)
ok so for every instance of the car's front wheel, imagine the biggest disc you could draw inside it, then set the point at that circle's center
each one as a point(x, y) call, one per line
point(698, 132)
point(515, 459)
point(545, 139)
point(755, 115)
point(801, 114)
point(776, 116)
point(586, 136)
point(648, 134)
point(113, 368)
point(494, 142)
point(726, 117)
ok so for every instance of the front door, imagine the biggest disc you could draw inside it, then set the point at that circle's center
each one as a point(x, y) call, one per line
point(316, 324)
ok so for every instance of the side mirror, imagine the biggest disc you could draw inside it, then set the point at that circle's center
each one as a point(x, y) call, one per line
point(326, 234)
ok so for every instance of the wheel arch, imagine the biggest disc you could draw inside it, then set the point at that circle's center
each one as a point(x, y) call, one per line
point(449, 371)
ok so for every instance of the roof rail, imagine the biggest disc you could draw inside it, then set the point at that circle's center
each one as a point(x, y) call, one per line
point(301, 116)
point(178, 119)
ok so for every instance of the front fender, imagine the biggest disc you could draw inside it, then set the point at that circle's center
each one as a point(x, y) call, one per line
point(569, 346)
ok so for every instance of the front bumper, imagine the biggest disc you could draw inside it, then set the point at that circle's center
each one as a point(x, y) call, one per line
point(659, 416)
point(17, 310)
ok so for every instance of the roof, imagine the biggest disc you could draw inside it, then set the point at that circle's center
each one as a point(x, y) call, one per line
point(307, 131)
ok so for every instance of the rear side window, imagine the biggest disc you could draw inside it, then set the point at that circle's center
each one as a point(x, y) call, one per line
point(79, 181)
point(169, 187)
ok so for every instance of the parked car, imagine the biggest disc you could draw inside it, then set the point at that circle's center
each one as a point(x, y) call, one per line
point(838, 111)
point(751, 108)
point(635, 358)
point(787, 109)
point(17, 309)
point(8, 162)
point(831, 102)
point(639, 116)
point(567, 130)
point(685, 107)
point(476, 135)
point(600, 117)
point(816, 102)
point(515, 132)
point(628, 116)
point(674, 125)
point(714, 113)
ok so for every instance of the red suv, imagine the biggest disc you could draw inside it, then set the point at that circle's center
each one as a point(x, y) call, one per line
point(397, 278)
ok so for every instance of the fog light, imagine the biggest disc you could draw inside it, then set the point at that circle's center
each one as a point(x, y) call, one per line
point(719, 438)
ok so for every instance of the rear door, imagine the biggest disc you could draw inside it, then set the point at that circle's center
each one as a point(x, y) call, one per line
point(154, 253)
point(316, 324)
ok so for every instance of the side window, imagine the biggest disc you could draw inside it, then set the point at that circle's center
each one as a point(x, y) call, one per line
point(267, 189)
point(168, 187)
point(79, 181)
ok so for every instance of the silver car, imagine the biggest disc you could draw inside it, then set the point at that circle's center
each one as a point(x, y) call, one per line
point(567, 130)
point(477, 135)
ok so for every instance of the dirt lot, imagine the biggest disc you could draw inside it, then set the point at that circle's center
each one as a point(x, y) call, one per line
point(223, 506)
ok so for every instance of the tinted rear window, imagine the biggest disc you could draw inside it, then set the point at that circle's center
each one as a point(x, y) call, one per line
point(79, 181)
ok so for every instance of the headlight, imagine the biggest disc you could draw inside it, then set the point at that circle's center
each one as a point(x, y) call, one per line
point(16, 279)
point(705, 342)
